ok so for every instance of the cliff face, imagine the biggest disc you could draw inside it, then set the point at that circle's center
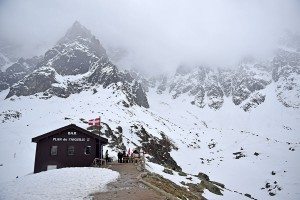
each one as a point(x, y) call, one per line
point(78, 62)
point(243, 85)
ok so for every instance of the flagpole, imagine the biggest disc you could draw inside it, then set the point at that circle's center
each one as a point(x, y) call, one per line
point(99, 124)
point(101, 147)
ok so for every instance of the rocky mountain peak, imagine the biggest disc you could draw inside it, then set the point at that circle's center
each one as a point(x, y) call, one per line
point(75, 53)
point(78, 53)
point(74, 32)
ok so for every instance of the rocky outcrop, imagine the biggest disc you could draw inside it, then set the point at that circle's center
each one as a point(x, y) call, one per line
point(79, 54)
point(255, 100)
point(75, 53)
point(209, 87)
point(39, 81)
point(286, 74)
point(247, 80)
point(158, 148)
point(17, 71)
point(108, 74)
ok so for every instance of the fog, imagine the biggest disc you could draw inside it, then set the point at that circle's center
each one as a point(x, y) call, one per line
point(157, 35)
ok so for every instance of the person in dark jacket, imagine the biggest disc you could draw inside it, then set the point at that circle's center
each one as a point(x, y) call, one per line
point(120, 155)
point(106, 156)
point(123, 155)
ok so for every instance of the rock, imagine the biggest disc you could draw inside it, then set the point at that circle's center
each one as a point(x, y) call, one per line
point(120, 129)
point(273, 173)
point(203, 176)
point(168, 171)
point(144, 174)
point(17, 71)
point(254, 100)
point(139, 168)
point(158, 148)
point(248, 195)
point(182, 174)
point(238, 155)
point(39, 81)
point(272, 194)
point(211, 187)
point(218, 184)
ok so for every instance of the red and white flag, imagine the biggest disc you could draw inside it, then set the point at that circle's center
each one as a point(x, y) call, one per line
point(95, 122)
point(129, 152)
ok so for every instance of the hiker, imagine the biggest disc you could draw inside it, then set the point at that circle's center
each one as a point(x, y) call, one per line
point(120, 157)
point(106, 156)
point(135, 156)
point(123, 155)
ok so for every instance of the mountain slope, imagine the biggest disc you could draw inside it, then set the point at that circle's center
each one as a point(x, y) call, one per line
point(243, 84)
point(204, 140)
point(78, 62)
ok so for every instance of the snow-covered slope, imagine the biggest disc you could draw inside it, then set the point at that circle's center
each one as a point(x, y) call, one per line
point(64, 184)
point(4, 62)
point(206, 140)
point(243, 84)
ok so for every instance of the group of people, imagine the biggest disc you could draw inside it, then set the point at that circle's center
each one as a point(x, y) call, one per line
point(124, 157)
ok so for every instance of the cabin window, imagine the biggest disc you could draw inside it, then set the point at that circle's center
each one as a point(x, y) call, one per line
point(87, 150)
point(71, 150)
point(53, 151)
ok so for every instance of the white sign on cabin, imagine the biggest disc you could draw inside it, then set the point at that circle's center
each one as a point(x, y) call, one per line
point(72, 133)
point(71, 139)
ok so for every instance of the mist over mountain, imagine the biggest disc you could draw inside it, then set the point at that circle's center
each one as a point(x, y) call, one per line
point(157, 35)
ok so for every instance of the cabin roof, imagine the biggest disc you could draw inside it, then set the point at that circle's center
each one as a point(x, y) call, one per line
point(71, 126)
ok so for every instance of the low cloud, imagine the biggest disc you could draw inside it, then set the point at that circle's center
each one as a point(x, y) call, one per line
point(156, 35)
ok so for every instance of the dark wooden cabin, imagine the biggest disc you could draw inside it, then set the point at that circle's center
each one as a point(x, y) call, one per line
point(69, 146)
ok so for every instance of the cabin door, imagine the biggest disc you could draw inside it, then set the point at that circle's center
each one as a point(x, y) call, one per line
point(49, 167)
point(101, 151)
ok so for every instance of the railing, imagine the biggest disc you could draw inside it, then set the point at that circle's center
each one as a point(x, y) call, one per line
point(97, 162)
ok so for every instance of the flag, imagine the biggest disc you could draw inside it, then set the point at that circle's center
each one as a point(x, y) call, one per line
point(129, 152)
point(94, 122)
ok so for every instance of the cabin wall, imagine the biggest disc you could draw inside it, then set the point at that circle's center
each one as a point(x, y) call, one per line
point(64, 139)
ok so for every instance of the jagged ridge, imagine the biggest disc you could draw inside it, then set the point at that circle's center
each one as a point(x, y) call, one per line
point(76, 63)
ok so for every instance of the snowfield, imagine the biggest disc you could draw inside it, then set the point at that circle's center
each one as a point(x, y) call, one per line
point(66, 183)
point(255, 152)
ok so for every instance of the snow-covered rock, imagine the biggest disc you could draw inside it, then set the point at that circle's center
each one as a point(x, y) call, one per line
point(209, 87)
point(78, 54)
point(17, 71)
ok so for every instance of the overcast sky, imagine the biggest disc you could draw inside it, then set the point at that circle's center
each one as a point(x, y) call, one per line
point(157, 34)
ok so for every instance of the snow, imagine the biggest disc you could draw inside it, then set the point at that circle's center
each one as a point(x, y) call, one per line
point(270, 129)
point(62, 81)
point(66, 183)
point(231, 128)
point(7, 62)
point(158, 169)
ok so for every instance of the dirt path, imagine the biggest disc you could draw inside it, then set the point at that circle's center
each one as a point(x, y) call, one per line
point(127, 187)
